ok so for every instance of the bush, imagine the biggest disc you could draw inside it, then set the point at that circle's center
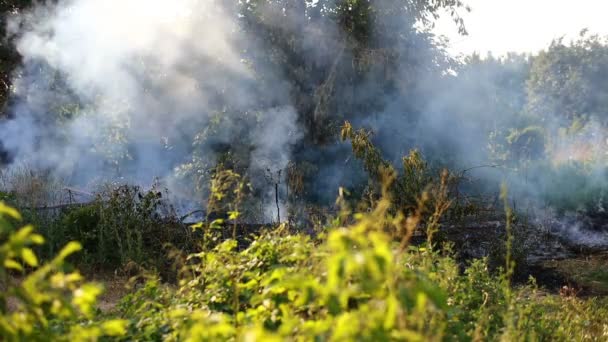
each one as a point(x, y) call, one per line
point(82, 224)
point(42, 302)
point(573, 187)
point(127, 225)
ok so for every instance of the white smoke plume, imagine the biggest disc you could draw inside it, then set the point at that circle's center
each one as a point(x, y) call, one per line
point(131, 90)
point(146, 75)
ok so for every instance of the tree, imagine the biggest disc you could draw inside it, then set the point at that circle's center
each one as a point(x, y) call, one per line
point(345, 58)
point(342, 60)
point(570, 81)
point(9, 58)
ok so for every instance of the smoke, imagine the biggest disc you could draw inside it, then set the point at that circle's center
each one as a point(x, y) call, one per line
point(119, 90)
point(130, 91)
point(477, 117)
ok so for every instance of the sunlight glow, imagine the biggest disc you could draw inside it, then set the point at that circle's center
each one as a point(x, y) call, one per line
point(523, 26)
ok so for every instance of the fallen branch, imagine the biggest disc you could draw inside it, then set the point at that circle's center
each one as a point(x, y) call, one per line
point(57, 206)
point(493, 166)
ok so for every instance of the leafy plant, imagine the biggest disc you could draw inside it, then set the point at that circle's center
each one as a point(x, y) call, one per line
point(355, 282)
point(43, 302)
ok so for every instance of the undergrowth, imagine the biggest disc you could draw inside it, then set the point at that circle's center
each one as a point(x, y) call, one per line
point(360, 278)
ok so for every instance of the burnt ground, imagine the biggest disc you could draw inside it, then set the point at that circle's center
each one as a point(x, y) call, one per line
point(587, 273)
point(115, 288)
point(554, 259)
point(551, 259)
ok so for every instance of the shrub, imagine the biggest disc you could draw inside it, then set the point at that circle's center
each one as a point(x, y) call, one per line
point(121, 226)
point(82, 224)
point(42, 302)
point(127, 225)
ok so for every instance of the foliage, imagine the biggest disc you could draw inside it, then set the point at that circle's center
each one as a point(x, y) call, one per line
point(9, 58)
point(526, 144)
point(129, 225)
point(355, 283)
point(361, 49)
point(571, 187)
point(567, 80)
point(122, 226)
point(43, 302)
point(415, 177)
point(360, 277)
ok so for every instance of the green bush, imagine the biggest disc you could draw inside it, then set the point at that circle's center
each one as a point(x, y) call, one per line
point(42, 302)
point(124, 226)
point(82, 224)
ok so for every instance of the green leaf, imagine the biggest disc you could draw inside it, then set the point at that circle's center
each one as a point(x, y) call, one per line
point(407, 335)
point(29, 257)
point(217, 224)
point(12, 264)
point(392, 305)
point(233, 215)
point(37, 239)
point(333, 305)
point(197, 226)
point(434, 293)
point(68, 250)
point(116, 327)
point(8, 211)
point(86, 297)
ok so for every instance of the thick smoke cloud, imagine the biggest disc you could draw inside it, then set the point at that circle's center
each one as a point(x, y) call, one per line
point(134, 90)
point(144, 76)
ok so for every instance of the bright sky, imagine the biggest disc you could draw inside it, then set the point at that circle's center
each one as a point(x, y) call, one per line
point(501, 26)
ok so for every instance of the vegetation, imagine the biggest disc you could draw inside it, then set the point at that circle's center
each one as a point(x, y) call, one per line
point(44, 302)
point(362, 280)
point(420, 244)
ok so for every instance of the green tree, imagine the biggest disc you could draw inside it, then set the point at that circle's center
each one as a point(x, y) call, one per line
point(570, 81)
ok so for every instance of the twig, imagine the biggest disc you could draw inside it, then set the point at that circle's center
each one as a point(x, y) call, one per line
point(276, 198)
point(191, 213)
point(480, 167)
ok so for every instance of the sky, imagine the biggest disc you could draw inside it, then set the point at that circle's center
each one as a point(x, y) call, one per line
point(501, 26)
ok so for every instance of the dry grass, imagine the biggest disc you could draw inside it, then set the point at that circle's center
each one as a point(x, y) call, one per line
point(33, 189)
